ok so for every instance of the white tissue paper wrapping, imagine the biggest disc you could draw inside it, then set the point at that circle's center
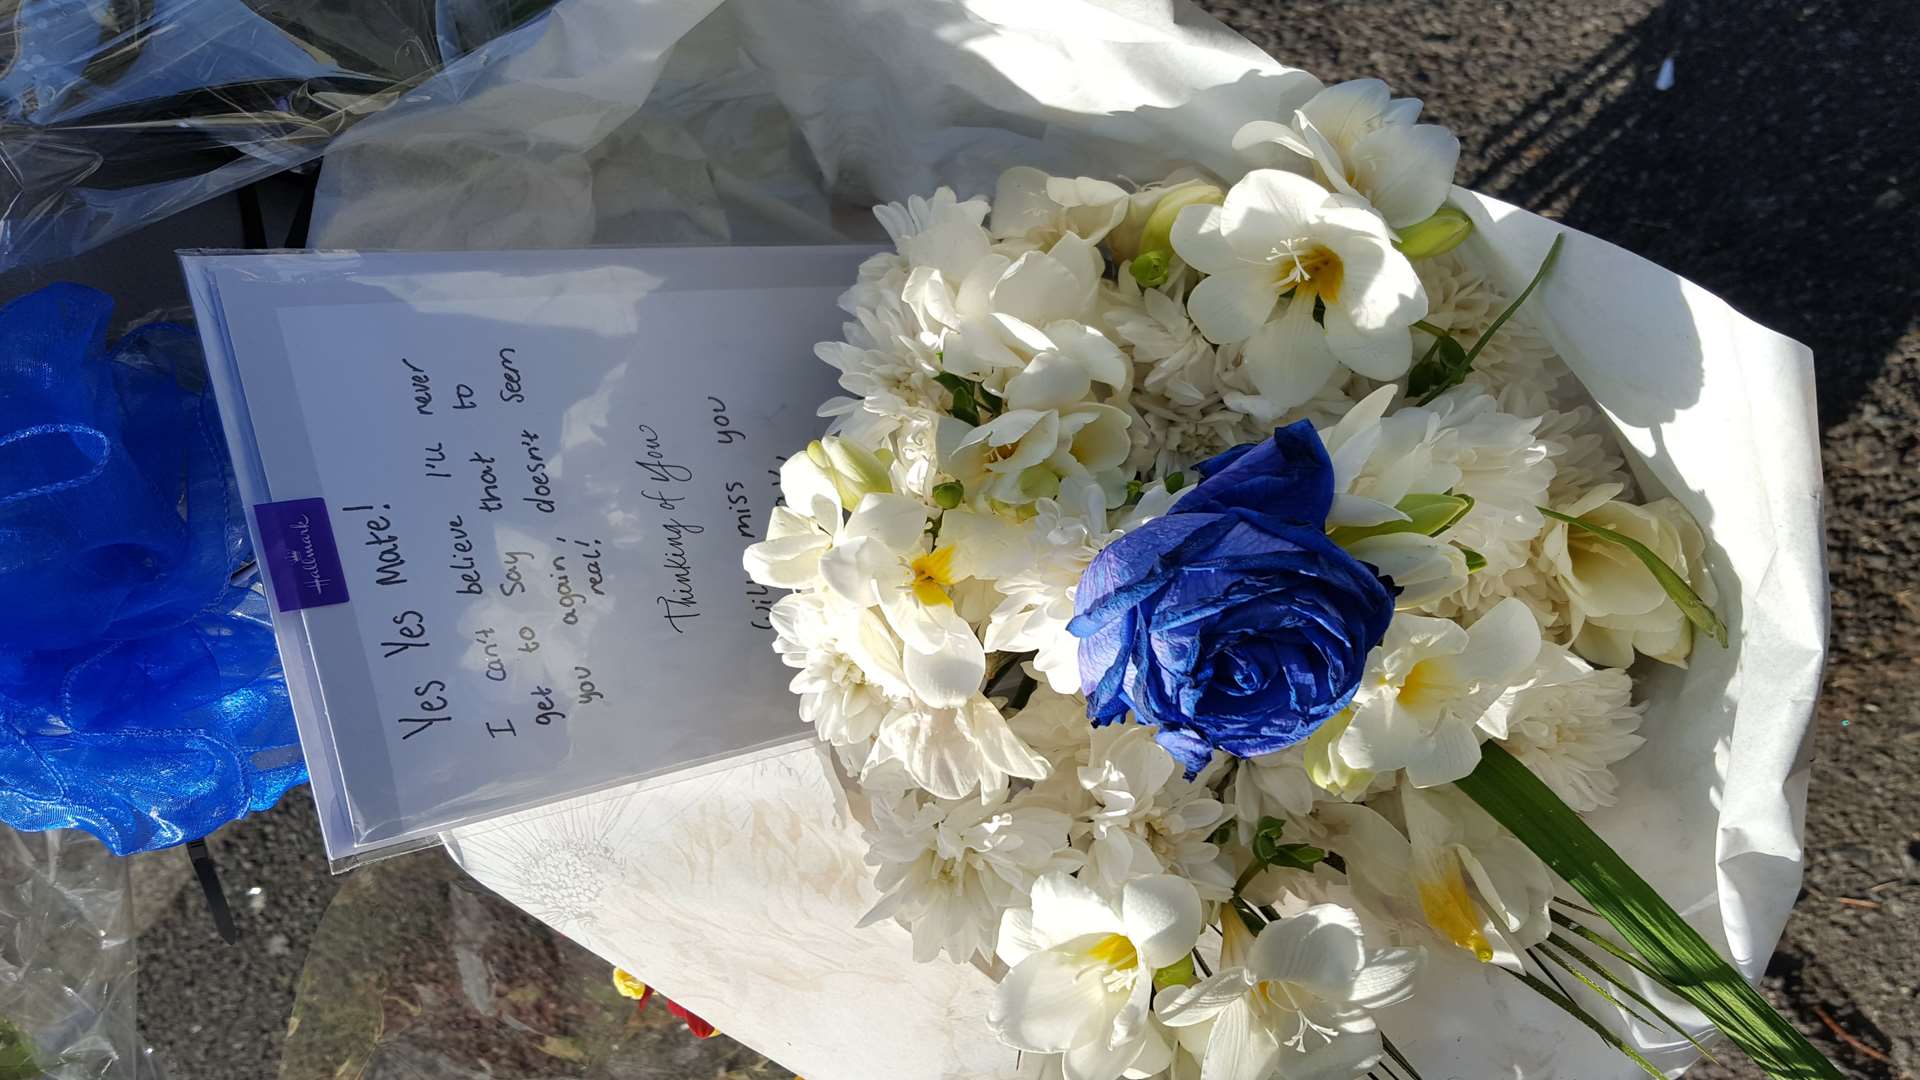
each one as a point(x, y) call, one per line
point(756, 121)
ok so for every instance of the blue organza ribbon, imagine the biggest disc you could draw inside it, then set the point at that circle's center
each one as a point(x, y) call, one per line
point(141, 697)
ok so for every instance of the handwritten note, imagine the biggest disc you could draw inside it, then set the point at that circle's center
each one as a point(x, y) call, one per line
point(537, 472)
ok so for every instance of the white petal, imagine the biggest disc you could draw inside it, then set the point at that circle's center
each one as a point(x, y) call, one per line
point(1203, 1000)
point(1381, 289)
point(1229, 306)
point(1388, 979)
point(1051, 380)
point(1320, 948)
point(857, 569)
point(802, 483)
point(1358, 510)
point(1346, 111)
point(1288, 359)
point(1096, 1060)
point(1268, 208)
point(1378, 354)
point(1501, 645)
point(997, 744)
point(897, 521)
point(791, 562)
point(1238, 1049)
point(1047, 1005)
point(1197, 238)
point(1451, 752)
point(1162, 916)
point(1065, 908)
point(947, 678)
point(985, 545)
point(1405, 171)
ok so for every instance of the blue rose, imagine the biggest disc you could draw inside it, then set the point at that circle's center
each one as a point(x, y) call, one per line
point(1232, 622)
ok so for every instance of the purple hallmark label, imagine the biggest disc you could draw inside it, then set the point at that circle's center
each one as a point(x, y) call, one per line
point(299, 554)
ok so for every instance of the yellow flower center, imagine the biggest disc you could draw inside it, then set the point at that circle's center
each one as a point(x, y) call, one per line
point(1443, 896)
point(1115, 951)
point(933, 576)
point(1317, 270)
point(1423, 687)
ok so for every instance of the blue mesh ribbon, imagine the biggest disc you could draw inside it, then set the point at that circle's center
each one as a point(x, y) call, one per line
point(141, 696)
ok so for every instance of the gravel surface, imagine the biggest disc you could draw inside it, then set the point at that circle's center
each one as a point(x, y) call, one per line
point(1775, 172)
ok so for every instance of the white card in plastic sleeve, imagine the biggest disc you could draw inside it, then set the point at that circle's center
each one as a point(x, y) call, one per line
point(500, 501)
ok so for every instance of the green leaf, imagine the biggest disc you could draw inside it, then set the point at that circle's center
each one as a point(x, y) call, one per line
point(1451, 370)
point(1574, 951)
point(1476, 562)
point(1574, 1009)
point(1698, 613)
point(1428, 515)
point(1444, 364)
point(1588, 980)
point(963, 407)
point(16, 1054)
point(1529, 809)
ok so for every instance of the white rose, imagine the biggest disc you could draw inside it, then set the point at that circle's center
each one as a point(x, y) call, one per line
point(1615, 604)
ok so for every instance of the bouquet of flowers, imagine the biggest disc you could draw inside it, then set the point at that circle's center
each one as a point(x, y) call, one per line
point(1228, 601)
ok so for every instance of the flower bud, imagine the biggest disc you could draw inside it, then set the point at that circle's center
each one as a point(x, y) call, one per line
point(948, 495)
point(1148, 227)
point(1039, 482)
point(854, 470)
point(1437, 235)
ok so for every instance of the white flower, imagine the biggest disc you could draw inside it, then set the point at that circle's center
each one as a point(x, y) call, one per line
point(1038, 601)
point(950, 869)
point(1461, 443)
point(1616, 605)
point(881, 557)
point(1024, 455)
point(1456, 874)
point(1361, 141)
point(950, 753)
point(1083, 966)
point(1478, 884)
point(850, 668)
point(988, 321)
point(1147, 816)
point(1029, 205)
point(801, 530)
point(1278, 235)
point(1569, 722)
point(940, 232)
point(1296, 1001)
point(1426, 687)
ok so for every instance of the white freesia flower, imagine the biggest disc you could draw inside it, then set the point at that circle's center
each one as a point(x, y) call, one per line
point(1296, 1001)
point(1615, 604)
point(850, 664)
point(988, 322)
point(881, 557)
point(1426, 687)
point(1478, 884)
point(800, 531)
point(1032, 206)
point(1082, 971)
point(950, 753)
point(1361, 141)
point(1038, 601)
point(1147, 816)
point(949, 869)
point(1455, 877)
point(1281, 235)
point(1569, 722)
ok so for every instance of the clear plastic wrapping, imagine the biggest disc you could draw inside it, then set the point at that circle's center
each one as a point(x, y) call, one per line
point(114, 113)
point(67, 964)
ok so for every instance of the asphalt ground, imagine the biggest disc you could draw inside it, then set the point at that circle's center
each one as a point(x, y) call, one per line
point(1780, 170)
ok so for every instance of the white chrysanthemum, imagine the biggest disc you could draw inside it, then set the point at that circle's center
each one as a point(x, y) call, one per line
point(1148, 817)
point(887, 366)
point(1569, 722)
point(1518, 366)
point(1585, 454)
point(950, 869)
point(951, 753)
point(938, 231)
point(850, 667)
